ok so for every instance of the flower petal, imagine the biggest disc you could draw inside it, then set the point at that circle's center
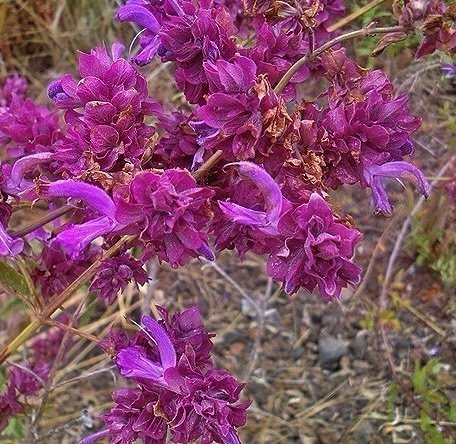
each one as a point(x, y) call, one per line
point(165, 346)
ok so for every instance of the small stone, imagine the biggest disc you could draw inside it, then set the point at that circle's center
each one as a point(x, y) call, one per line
point(330, 350)
point(363, 433)
point(259, 391)
point(298, 352)
point(237, 348)
point(358, 345)
point(233, 336)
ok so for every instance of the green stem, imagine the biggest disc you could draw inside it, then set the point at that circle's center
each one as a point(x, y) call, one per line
point(310, 56)
point(41, 222)
point(354, 15)
point(35, 324)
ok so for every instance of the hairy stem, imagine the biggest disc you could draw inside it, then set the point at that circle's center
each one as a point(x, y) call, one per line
point(35, 324)
point(206, 167)
point(41, 222)
point(73, 330)
point(367, 31)
point(354, 15)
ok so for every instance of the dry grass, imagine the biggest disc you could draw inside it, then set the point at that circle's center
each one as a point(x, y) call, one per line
point(40, 37)
point(262, 335)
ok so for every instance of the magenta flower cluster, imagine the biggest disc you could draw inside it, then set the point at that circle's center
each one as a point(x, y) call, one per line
point(120, 175)
point(177, 392)
point(243, 163)
point(27, 378)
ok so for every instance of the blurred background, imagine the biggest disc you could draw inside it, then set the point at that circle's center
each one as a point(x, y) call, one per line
point(377, 366)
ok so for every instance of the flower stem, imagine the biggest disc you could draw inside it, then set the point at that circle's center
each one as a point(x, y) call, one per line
point(72, 330)
point(41, 222)
point(310, 56)
point(35, 324)
point(206, 167)
point(354, 15)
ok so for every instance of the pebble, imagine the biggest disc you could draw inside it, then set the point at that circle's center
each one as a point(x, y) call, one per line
point(330, 350)
point(358, 345)
point(363, 433)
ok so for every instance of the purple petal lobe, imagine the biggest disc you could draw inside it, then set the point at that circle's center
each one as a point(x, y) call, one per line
point(139, 15)
point(134, 364)
point(8, 245)
point(165, 346)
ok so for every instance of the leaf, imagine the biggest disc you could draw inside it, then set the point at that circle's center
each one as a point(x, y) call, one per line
point(432, 433)
point(14, 304)
point(16, 427)
point(452, 412)
point(387, 40)
point(13, 280)
point(419, 377)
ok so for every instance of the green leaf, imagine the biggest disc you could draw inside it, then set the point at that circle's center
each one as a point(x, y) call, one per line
point(13, 280)
point(432, 433)
point(14, 304)
point(419, 377)
point(452, 412)
point(391, 399)
point(2, 380)
point(16, 427)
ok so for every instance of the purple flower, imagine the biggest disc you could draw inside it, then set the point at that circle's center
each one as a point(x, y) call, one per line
point(147, 15)
point(249, 212)
point(317, 250)
point(8, 245)
point(44, 348)
point(178, 389)
point(114, 274)
point(449, 70)
point(28, 128)
point(9, 406)
point(183, 33)
point(28, 380)
point(246, 113)
point(192, 40)
point(186, 329)
point(364, 129)
point(231, 77)
point(134, 363)
point(375, 176)
point(133, 417)
point(169, 212)
point(275, 50)
point(438, 26)
point(14, 85)
point(76, 237)
point(105, 114)
point(56, 270)
point(24, 170)
point(179, 146)
point(204, 407)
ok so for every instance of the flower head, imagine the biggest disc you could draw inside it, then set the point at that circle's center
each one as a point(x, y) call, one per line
point(8, 245)
point(76, 238)
point(246, 114)
point(14, 85)
point(178, 390)
point(169, 212)
point(28, 128)
point(115, 273)
point(9, 406)
point(105, 114)
point(56, 269)
point(185, 34)
point(316, 252)
point(249, 212)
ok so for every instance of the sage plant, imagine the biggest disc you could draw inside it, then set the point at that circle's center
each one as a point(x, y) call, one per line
point(245, 164)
